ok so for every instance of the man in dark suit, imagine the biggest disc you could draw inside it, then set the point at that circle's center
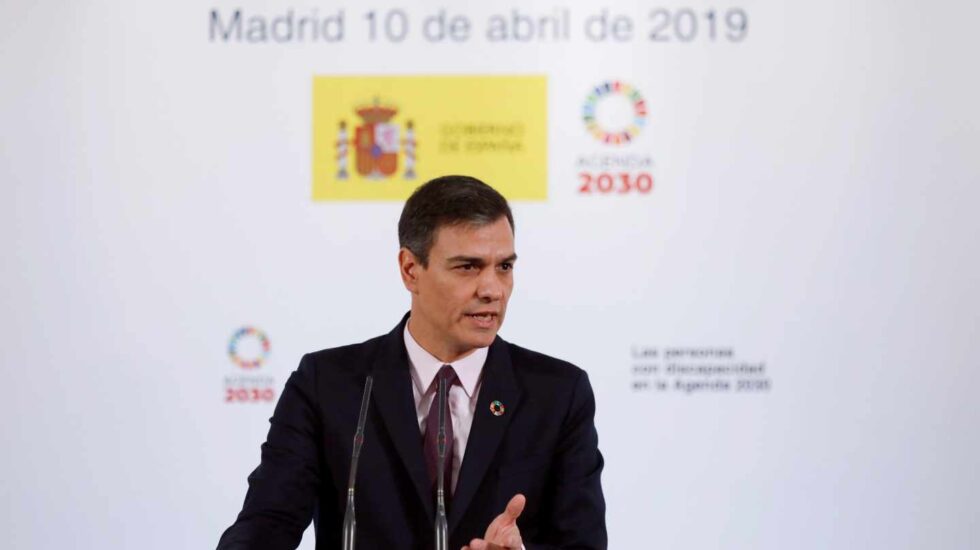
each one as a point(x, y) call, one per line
point(524, 468)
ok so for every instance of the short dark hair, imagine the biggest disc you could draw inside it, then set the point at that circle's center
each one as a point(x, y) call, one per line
point(448, 200)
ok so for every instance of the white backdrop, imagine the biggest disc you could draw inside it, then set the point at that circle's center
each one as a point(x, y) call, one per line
point(814, 216)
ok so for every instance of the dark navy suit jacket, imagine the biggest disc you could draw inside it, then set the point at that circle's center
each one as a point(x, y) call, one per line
point(544, 446)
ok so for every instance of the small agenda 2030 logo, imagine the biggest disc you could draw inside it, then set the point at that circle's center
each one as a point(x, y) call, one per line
point(248, 349)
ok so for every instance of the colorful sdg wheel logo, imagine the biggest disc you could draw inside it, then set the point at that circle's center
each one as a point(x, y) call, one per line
point(248, 348)
point(614, 113)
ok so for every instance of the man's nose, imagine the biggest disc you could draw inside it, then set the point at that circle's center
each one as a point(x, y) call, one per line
point(490, 288)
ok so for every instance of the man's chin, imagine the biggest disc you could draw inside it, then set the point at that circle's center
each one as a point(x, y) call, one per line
point(484, 340)
point(481, 339)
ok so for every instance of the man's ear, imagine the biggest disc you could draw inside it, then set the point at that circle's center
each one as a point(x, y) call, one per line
point(408, 268)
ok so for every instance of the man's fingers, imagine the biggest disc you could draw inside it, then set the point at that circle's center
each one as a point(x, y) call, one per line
point(515, 507)
point(502, 533)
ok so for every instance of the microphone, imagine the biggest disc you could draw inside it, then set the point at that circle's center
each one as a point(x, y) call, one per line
point(442, 526)
point(350, 523)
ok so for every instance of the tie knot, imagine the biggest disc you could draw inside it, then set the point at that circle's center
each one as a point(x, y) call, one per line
point(447, 373)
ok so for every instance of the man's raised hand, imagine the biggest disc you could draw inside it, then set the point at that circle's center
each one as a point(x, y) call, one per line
point(502, 534)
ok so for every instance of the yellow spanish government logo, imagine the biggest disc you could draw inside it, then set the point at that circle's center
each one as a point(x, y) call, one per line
point(378, 138)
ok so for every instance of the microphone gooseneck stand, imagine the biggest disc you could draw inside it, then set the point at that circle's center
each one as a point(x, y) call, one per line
point(350, 523)
point(442, 526)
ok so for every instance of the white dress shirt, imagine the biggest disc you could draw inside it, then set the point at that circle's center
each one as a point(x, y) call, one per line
point(462, 397)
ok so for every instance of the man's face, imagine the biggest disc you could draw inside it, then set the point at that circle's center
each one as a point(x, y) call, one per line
point(459, 300)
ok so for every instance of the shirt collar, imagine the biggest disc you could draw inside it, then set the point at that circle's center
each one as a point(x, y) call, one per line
point(425, 366)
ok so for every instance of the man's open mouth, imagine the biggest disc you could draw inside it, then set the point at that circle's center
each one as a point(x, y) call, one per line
point(482, 316)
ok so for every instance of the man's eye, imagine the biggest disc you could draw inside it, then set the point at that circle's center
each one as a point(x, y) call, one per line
point(506, 266)
point(466, 267)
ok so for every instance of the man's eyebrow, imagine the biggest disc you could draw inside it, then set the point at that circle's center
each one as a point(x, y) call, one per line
point(465, 260)
point(478, 261)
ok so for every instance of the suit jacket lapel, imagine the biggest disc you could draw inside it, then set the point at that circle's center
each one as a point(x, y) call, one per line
point(499, 384)
point(394, 401)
